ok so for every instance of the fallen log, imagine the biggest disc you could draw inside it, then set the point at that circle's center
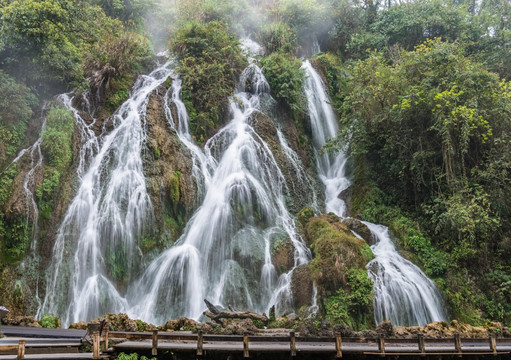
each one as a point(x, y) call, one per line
point(215, 314)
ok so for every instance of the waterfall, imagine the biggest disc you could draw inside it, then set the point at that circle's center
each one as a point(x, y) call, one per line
point(402, 292)
point(406, 295)
point(224, 253)
point(98, 239)
point(331, 166)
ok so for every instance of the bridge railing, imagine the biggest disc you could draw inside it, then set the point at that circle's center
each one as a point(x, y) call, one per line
point(380, 345)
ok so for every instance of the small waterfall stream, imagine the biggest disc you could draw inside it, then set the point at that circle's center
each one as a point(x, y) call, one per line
point(402, 292)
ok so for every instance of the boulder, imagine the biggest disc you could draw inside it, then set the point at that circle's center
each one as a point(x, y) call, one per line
point(302, 286)
point(361, 229)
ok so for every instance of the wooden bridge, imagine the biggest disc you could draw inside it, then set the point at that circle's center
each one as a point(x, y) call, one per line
point(176, 345)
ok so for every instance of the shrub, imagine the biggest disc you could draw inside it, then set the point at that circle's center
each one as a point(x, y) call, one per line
point(50, 322)
point(210, 64)
point(277, 37)
point(286, 80)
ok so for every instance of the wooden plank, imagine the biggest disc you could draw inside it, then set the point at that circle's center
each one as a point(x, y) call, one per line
point(493, 344)
point(105, 340)
point(457, 344)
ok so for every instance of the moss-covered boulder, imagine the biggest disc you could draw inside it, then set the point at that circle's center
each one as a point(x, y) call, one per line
point(302, 286)
point(338, 270)
point(336, 250)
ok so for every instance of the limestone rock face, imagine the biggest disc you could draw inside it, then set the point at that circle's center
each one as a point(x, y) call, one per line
point(168, 169)
point(302, 287)
point(298, 185)
point(283, 256)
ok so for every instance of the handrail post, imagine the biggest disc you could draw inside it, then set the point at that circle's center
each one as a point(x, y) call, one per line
point(457, 343)
point(493, 343)
point(381, 344)
point(95, 345)
point(105, 340)
point(21, 349)
point(200, 341)
point(338, 345)
point(245, 345)
point(292, 343)
point(154, 350)
point(420, 339)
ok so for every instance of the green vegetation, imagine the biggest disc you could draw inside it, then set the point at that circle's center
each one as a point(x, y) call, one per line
point(133, 356)
point(338, 270)
point(424, 130)
point(286, 80)
point(210, 63)
point(50, 322)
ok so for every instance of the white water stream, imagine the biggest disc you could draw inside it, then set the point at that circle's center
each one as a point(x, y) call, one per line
point(402, 292)
point(224, 254)
point(103, 223)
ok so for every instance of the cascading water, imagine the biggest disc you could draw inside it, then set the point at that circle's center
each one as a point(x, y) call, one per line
point(406, 295)
point(331, 166)
point(224, 254)
point(403, 293)
point(97, 240)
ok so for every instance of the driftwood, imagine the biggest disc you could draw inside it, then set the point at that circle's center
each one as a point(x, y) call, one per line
point(215, 314)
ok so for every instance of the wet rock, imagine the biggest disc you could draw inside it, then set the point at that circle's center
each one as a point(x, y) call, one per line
point(315, 326)
point(385, 329)
point(368, 334)
point(121, 322)
point(301, 286)
point(299, 187)
point(168, 170)
point(182, 324)
point(336, 250)
point(82, 325)
point(344, 330)
point(240, 327)
point(361, 229)
point(29, 321)
point(283, 256)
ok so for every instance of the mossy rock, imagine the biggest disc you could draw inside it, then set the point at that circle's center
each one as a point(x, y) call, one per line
point(302, 286)
point(336, 250)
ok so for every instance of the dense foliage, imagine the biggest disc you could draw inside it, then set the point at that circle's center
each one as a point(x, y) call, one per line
point(425, 130)
point(210, 62)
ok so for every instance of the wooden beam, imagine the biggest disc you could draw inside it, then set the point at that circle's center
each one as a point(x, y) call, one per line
point(200, 341)
point(154, 350)
point(292, 343)
point(493, 343)
point(245, 345)
point(104, 346)
point(338, 345)
point(457, 343)
point(21, 349)
point(95, 345)
point(420, 341)
point(381, 345)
